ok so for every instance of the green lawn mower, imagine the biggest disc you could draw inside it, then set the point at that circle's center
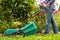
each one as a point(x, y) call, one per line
point(27, 30)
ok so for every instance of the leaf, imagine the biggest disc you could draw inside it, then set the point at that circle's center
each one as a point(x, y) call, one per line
point(13, 0)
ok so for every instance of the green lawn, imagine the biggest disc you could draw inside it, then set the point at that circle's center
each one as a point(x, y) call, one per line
point(32, 37)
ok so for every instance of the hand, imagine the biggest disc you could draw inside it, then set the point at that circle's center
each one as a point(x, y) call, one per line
point(55, 12)
point(45, 5)
point(43, 12)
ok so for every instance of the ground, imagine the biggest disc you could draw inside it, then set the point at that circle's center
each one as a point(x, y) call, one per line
point(33, 37)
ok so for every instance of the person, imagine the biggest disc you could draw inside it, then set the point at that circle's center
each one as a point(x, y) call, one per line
point(49, 5)
point(50, 8)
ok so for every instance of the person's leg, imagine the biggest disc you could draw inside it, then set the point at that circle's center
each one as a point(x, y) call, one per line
point(54, 25)
point(48, 21)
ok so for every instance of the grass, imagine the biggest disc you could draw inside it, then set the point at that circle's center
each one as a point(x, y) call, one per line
point(32, 37)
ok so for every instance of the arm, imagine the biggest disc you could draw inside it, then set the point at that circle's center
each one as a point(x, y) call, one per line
point(56, 11)
point(46, 5)
point(49, 3)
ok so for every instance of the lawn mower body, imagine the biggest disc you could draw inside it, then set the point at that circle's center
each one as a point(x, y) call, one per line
point(27, 30)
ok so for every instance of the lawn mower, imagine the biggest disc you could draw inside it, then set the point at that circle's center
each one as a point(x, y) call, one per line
point(27, 30)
